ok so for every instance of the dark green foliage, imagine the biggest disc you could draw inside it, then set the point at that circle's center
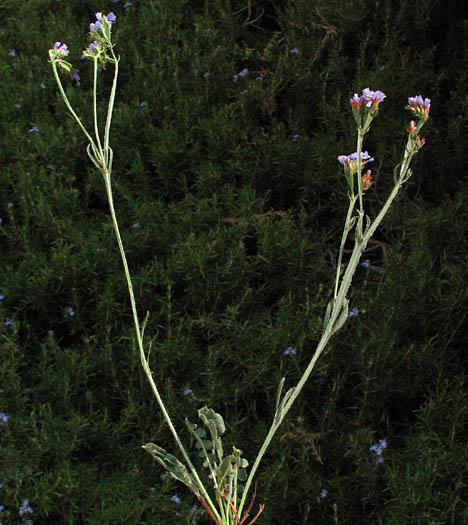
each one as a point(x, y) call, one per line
point(232, 226)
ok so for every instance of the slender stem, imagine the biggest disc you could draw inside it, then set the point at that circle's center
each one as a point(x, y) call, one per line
point(101, 160)
point(360, 138)
point(144, 362)
point(69, 106)
point(110, 108)
point(346, 230)
point(96, 127)
point(359, 246)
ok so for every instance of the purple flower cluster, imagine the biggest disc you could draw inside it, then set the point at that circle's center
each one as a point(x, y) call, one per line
point(25, 508)
point(350, 161)
point(62, 47)
point(290, 351)
point(378, 449)
point(419, 106)
point(368, 99)
point(111, 18)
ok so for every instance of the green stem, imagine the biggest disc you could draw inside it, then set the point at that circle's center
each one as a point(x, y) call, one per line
point(346, 230)
point(96, 127)
point(69, 106)
point(110, 108)
point(359, 246)
point(144, 361)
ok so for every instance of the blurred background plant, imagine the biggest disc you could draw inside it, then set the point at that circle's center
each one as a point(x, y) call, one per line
point(228, 124)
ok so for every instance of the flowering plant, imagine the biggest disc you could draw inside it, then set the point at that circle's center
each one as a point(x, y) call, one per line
point(227, 472)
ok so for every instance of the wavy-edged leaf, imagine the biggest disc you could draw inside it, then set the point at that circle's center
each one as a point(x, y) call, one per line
point(173, 466)
point(215, 424)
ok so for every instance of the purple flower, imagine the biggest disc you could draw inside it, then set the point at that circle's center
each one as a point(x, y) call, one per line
point(353, 312)
point(368, 99)
point(17, 105)
point(25, 508)
point(350, 161)
point(70, 311)
point(241, 74)
point(295, 51)
point(419, 106)
point(3, 417)
point(378, 448)
point(34, 129)
point(290, 351)
point(175, 498)
point(295, 137)
point(207, 74)
point(372, 97)
point(136, 224)
point(323, 493)
point(43, 86)
point(127, 4)
point(111, 18)
point(63, 48)
point(12, 53)
point(9, 322)
point(365, 263)
point(187, 391)
point(93, 46)
point(75, 76)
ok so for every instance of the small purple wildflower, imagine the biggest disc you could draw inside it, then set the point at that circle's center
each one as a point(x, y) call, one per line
point(349, 162)
point(9, 322)
point(353, 312)
point(419, 106)
point(143, 104)
point(378, 448)
point(3, 417)
point(295, 137)
point(290, 351)
point(365, 263)
point(207, 74)
point(241, 74)
point(75, 76)
point(127, 4)
point(93, 46)
point(294, 51)
point(175, 498)
point(111, 18)
point(25, 508)
point(43, 86)
point(34, 129)
point(12, 53)
point(17, 106)
point(70, 311)
point(1, 297)
point(323, 493)
point(62, 47)
point(187, 391)
point(136, 225)
point(368, 99)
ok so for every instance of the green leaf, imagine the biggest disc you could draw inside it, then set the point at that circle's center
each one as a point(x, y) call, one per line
point(175, 468)
point(215, 424)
